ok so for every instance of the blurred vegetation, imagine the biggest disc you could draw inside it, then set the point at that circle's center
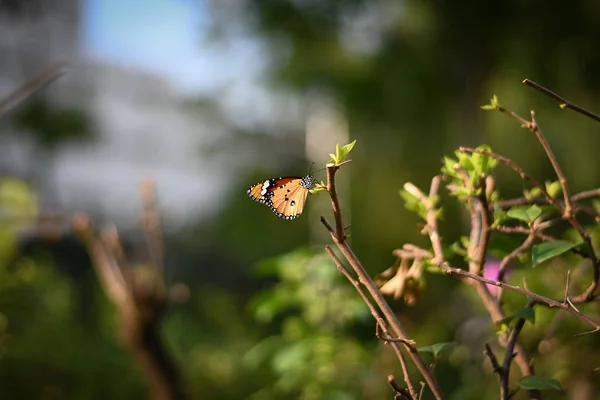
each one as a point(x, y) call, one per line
point(270, 318)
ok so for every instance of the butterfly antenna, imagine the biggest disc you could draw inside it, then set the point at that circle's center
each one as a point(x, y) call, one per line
point(319, 170)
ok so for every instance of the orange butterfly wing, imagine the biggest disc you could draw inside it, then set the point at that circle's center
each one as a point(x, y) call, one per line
point(284, 196)
point(289, 201)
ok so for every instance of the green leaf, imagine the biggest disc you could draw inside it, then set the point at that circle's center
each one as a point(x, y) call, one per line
point(465, 161)
point(348, 148)
point(533, 193)
point(494, 104)
point(547, 250)
point(341, 152)
point(527, 214)
point(540, 383)
point(465, 241)
point(438, 348)
point(413, 204)
point(448, 168)
point(527, 314)
point(553, 188)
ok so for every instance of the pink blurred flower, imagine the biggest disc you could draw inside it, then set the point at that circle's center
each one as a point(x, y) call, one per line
point(490, 271)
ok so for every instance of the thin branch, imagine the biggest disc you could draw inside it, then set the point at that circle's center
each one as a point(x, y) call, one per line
point(20, 94)
point(521, 201)
point(532, 295)
point(497, 368)
point(339, 238)
point(378, 319)
point(340, 234)
point(510, 346)
point(493, 360)
point(401, 393)
point(484, 231)
point(564, 103)
point(534, 126)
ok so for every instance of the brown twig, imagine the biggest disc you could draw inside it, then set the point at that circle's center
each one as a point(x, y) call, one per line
point(534, 127)
point(564, 103)
point(521, 201)
point(401, 393)
point(482, 214)
point(493, 360)
point(20, 94)
point(532, 295)
point(510, 346)
point(339, 238)
point(380, 323)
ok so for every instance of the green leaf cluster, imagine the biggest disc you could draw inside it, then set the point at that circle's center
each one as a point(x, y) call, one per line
point(341, 152)
point(476, 166)
point(493, 105)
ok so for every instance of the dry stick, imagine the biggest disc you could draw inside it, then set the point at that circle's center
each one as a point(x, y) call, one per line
point(493, 360)
point(400, 392)
point(410, 250)
point(520, 201)
point(564, 103)
point(496, 366)
point(379, 320)
point(567, 213)
point(533, 126)
point(20, 94)
point(532, 295)
point(510, 346)
point(484, 232)
point(588, 294)
point(339, 239)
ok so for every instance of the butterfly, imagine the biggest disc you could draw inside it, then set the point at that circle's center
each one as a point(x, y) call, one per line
point(284, 196)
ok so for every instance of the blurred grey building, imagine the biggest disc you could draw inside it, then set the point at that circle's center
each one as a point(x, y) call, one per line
point(142, 126)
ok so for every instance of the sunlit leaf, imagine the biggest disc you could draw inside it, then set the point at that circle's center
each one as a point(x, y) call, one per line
point(346, 149)
point(547, 250)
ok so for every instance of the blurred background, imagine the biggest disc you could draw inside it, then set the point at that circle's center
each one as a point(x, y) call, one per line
point(208, 97)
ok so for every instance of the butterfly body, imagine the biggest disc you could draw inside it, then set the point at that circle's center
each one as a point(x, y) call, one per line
point(285, 196)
